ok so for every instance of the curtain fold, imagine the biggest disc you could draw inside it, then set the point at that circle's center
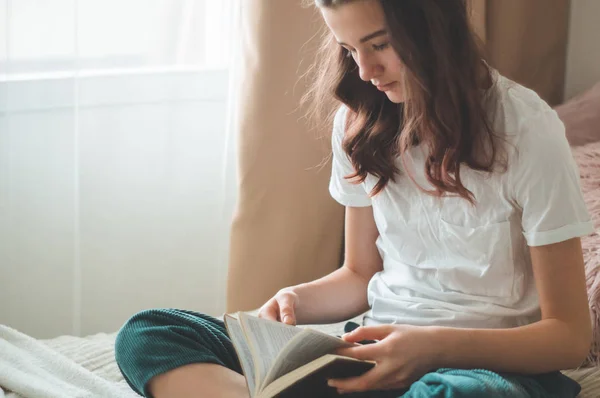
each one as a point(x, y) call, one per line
point(286, 228)
point(526, 41)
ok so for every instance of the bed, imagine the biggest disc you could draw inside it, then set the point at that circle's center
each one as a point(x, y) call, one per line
point(70, 366)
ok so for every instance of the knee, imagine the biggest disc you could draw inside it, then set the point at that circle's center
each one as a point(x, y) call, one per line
point(154, 341)
point(130, 338)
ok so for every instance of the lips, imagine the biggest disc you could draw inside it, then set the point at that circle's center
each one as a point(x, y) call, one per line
point(385, 87)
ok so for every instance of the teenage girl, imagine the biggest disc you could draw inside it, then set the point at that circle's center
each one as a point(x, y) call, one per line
point(463, 219)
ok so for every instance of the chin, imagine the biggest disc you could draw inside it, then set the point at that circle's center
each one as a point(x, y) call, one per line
point(395, 98)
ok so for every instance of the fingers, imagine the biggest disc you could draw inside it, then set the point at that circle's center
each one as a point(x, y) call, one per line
point(270, 311)
point(286, 309)
point(367, 381)
point(280, 308)
point(377, 332)
point(365, 352)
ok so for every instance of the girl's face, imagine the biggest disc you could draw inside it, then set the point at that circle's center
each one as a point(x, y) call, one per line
point(359, 27)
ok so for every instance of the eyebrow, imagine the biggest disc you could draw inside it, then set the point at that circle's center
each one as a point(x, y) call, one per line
point(369, 37)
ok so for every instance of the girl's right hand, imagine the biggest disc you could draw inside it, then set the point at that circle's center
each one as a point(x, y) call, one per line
point(281, 308)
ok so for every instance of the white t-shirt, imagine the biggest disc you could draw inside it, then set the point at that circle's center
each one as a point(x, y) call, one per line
point(450, 264)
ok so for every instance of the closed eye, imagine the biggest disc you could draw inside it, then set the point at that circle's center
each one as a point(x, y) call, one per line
point(376, 47)
point(381, 47)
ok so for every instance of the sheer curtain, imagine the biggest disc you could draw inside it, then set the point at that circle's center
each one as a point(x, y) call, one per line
point(116, 165)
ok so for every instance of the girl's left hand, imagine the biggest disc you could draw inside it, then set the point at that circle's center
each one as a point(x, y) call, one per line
point(403, 355)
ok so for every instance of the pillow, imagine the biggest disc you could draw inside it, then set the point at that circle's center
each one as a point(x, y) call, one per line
point(588, 160)
point(581, 116)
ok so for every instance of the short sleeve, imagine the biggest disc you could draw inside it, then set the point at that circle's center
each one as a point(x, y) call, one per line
point(340, 188)
point(546, 183)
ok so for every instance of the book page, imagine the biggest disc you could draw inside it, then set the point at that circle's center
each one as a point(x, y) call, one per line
point(303, 348)
point(236, 334)
point(266, 339)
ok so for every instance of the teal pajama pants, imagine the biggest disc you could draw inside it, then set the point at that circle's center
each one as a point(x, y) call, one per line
point(156, 341)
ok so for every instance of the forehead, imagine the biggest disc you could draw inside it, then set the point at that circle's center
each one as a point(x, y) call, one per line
point(352, 21)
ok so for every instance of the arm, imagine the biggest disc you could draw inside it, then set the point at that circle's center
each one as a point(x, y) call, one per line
point(343, 293)
point(560, 340)
point(545, 185)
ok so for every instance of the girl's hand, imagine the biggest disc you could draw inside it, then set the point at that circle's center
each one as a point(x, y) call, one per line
point(282, 307)
point(403, 355)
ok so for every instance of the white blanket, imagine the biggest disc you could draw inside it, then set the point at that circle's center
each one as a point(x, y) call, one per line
point(32, 368)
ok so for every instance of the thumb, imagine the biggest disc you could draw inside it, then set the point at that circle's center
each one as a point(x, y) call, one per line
point(286, 309)
point(270, 310)
point(376, 332)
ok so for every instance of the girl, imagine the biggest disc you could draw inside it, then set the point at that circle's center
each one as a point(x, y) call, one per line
point(463, 219)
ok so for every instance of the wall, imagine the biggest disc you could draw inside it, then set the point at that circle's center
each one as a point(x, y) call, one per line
point(583, 60)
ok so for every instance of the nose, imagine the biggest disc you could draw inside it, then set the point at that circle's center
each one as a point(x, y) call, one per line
point(368, 67)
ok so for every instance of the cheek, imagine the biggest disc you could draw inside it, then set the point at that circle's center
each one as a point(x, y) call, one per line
point(395, 71)
point(395, 68)
point(398, 94)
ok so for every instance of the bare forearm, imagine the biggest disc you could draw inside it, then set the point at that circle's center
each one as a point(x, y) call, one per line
point(544, 346)
point(336, 297)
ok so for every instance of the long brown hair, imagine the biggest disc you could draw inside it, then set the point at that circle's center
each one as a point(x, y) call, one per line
point(446, 111)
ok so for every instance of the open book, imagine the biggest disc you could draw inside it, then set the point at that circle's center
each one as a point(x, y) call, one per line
point(288, 361)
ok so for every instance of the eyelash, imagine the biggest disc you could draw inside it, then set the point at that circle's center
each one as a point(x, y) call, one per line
point(376, 47)
point(381, 46)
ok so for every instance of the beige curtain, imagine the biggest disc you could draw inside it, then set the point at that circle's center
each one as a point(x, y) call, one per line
point(526, 40)
point(286, 229)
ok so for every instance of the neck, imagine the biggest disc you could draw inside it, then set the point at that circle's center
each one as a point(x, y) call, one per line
point(484, 76)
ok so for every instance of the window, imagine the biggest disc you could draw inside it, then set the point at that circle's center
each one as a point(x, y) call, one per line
point(52, 36)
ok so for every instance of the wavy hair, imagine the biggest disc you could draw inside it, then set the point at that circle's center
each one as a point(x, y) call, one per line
point(446, 110)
